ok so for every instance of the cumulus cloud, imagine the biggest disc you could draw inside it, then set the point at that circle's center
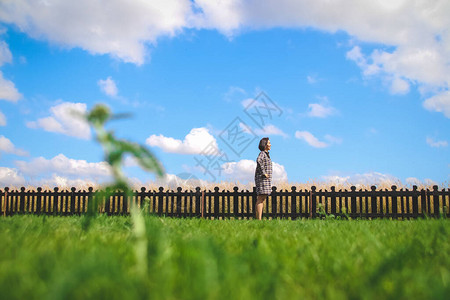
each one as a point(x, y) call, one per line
point(108, 86)
point(233, 92)
point(365, 179)
point(196, 141)
point(59, 171)
point(10, 177)
point(64, 166)
point(244, 171)
point(317, 110)
point(63, 182)
point(187, 181)
point(436, 144)
point(309, 138)
point(439, 103)
point(5, 53)
point(65, 118)
point(268, 130)
point(2, 119)
point(119, 28)
point(6, 146)
point(412, 40)
point(8, 90)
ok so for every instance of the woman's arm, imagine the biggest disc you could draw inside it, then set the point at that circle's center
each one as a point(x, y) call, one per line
point(263, 161)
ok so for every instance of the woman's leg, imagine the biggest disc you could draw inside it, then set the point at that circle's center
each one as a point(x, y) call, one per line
point(260, 205)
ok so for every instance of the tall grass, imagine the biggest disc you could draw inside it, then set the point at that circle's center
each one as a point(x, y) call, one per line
point(53, 258)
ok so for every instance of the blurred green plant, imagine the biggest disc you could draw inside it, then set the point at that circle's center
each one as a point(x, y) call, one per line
point(115, 150)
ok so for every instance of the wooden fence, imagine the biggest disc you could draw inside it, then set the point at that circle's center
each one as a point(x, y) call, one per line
point(236, 204)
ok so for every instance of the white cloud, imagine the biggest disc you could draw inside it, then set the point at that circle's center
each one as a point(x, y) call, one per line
point(2, 119)
point(10, 178)
point(185, 180)
point(64, 182)
point(197, 141)
point(439, 103)
point(7, 146)
point(108, 86)
point(119, 28)
point(5, 53)
point(412, 39)
point(63, 166)
point(399, 86)
point(244, 171)
point(234, 91)
point(225, 16)
point(8, 90)
point(65, 118)
point(58, 171)
point(246, 102)
point(436, 144)
point(312, 79)
point(365, 179)
point(320, 110)
point(412, 180)
point(310, 139)
point(270, 129)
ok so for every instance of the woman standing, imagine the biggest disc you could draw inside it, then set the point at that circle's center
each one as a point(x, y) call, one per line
point(263, 175)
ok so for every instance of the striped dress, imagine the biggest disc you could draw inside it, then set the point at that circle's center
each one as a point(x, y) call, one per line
point(263, 166)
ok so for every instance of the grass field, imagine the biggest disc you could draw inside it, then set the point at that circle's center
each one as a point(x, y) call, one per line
point(53, 258)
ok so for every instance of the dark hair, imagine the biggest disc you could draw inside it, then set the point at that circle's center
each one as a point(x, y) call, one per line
point(263, 143)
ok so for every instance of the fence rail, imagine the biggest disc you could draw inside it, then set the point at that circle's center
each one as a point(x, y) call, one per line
point(235, 204)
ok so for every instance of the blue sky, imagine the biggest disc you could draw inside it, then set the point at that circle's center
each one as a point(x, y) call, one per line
point(359, 90)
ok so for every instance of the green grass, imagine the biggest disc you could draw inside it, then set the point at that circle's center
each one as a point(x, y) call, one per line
point(53, 258)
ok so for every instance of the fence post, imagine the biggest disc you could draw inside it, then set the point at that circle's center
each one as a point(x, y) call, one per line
point(293, 203)
point(39, 200)
point(436, 212)
point(415, 202)
point(72, 200)
point(2, 199)
point(178, 200)
point(198, 196)
point(203, 204)
point(91, 200)
point(394, 202)
point(333, 200)
point(21, 202)
point(160, 200)
point(353, 201)
point(55, 200)
point(6, 202)
point(140, 198)
point(235, 202)
point(216, 203)
point(312, 202)
point(374, 202)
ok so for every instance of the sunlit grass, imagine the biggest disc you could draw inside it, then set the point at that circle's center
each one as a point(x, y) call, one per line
point(53, 258)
